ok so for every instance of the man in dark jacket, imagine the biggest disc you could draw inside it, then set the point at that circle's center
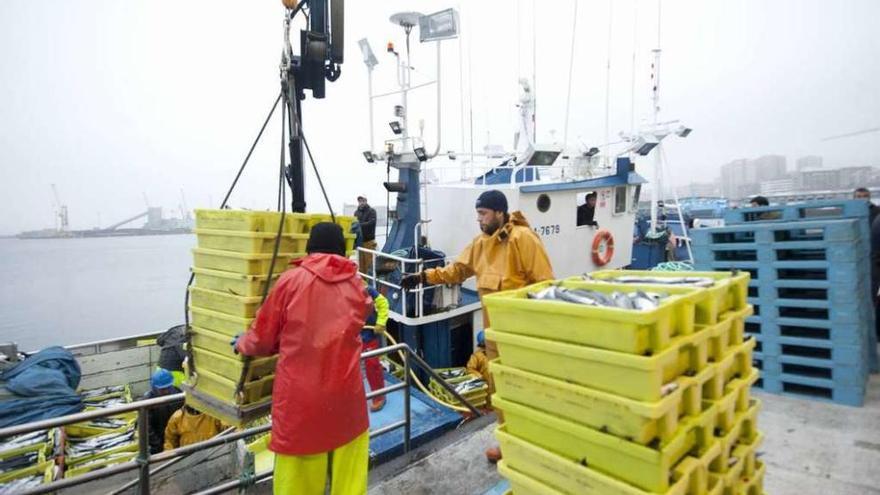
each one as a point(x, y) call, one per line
point(161, 383)
point(171, 353)
point(366, 217)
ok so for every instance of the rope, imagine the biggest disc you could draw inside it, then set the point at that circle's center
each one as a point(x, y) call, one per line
point(421, 386)
point(673, 266)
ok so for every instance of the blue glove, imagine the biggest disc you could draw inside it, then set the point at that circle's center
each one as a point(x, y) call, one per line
point(234, 342)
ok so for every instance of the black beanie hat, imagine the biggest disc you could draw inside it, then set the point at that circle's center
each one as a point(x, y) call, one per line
point(492, 200)
point(326, 237)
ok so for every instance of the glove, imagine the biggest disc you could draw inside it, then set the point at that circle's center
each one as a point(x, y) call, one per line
point(234, 342)
point(411, 281)
point(379, 329)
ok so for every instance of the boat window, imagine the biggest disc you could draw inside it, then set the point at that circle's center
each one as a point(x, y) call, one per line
point(586, 209)
point(543, 158)
point(619, 199)
point(634, 204)
point(543, 203)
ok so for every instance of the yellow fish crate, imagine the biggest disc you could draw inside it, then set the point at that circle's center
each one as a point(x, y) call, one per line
point(43, 468)
point(236, 284)
point(744, 432)
point(736, 399)
point(643, 466)
point(615, 329)
point(250, 242)
point(99, 463)
point(729, 332)
point(535, 470)
point(729, 293)
point(251, 221)
point(233, 367)
point(478, 397)
point(240, 306)
point(243, 263)
point(637, 377)
point(737, 363)
point(744, 468)
point(216, 321)
point(640, 422)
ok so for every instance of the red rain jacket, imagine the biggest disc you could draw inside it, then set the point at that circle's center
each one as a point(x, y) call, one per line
point(312, 319)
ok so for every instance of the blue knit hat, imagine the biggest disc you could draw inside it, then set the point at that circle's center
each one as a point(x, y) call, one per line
point(492, 200)
point(481, 339)
point(162, 378)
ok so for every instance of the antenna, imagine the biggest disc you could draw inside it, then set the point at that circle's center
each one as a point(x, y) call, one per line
point(570, 71)
point(608, 81)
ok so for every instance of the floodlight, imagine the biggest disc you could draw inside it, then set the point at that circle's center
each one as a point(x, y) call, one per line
point(591, 152)
point(438, 26)
point(683, 131)
point(368, 155)
point(396, 128)
point(367, 52)
point(395, 187)
point(643, 144)
point(420, 154)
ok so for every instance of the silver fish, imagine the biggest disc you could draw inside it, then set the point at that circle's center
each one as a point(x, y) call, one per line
point(579, 297)
point(21, 484)
point(642, 301)
point(693, 281)
point(622, 301)
point(548, 293)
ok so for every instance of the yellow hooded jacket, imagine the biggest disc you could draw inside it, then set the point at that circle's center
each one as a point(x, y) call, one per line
point(511, 258)
point(185, 428)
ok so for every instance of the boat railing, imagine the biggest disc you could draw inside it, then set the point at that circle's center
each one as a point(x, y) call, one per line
point(477, 172)
point(412, 310)
point(143, 460)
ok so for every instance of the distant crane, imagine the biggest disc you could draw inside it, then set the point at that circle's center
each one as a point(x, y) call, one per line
point(852, 134)
point(184, 209)
point(60, 212)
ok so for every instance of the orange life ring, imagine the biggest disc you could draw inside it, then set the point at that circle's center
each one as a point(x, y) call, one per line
point(603, 237)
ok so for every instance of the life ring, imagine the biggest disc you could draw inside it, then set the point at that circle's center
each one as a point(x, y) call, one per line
point(602, 257)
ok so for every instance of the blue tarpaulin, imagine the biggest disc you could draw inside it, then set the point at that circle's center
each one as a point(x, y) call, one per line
point(43, 386)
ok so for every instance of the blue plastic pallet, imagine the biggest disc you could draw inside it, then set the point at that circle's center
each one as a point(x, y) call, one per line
point(814, 368)
point(820, 271)
point(751, 236)
point(856, 311)
point(810, 210)
point(834, 293)
point(801, 251)
point(814, 330)
point(812, 388)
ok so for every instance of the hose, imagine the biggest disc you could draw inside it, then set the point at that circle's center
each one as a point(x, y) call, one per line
point(421, 386)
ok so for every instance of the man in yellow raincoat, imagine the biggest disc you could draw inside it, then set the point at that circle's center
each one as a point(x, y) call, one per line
point(506, 255)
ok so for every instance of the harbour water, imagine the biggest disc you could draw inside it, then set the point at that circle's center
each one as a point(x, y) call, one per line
point(67, 291)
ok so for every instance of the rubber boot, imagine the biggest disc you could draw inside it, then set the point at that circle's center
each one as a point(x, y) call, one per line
point(377, 404)
point(493, 454)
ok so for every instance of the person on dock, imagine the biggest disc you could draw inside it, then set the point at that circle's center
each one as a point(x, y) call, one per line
point(873, 210)
point(161, 384)
point(312, 319)
point(506, 255)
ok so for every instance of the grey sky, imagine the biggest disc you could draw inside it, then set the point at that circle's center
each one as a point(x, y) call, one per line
point(112, 99)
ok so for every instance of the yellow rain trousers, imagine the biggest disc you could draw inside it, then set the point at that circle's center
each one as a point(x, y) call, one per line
point(345, 468)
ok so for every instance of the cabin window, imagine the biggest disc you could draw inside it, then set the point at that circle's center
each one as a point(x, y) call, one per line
point(586, 209)
point(636, 192)
point(619, 200)
point(543, 203)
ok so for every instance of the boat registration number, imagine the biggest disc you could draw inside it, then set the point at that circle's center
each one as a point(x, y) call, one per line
point(545, 230)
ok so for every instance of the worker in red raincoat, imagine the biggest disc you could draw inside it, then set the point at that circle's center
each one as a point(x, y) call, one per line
point(312, 318)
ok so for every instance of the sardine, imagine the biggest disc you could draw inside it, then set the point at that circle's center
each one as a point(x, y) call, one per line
point(548, 293)
point(642, 301)
point(19, 462)
point(622, 301)
point(77, 447)
point(453, 373)
point(668, 388)
point(21, 484)
point(97, 392)
point(23, 440)
point(632, 279)
point(470, 385)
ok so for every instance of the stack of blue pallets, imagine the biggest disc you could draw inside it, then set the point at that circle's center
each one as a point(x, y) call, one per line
point(811, 290)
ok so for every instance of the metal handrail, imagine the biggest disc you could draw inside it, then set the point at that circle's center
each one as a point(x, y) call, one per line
point(144, 459)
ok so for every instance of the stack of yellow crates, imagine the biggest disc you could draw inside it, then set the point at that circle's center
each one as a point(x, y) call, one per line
point(101, 442)
point(617, 401)
point(231, 267)
point(28, 460)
